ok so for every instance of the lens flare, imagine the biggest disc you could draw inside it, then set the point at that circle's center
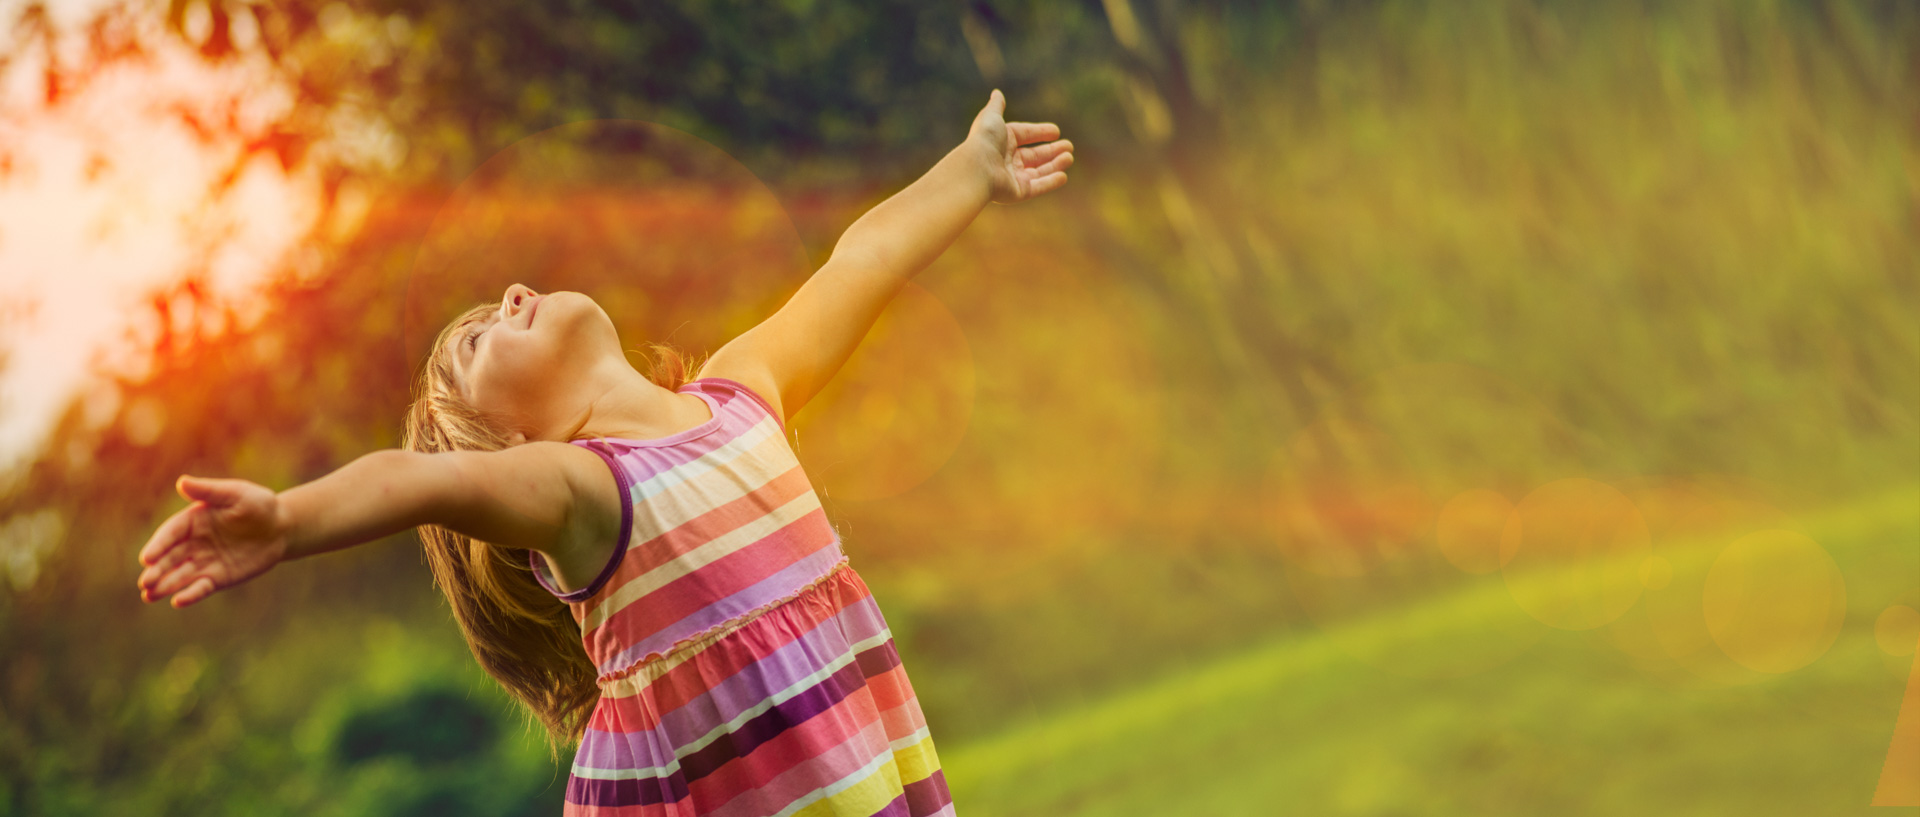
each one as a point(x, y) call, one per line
point(1691, 520)
point(1355, 505)
point(676, 240)
point(1897, 630)
point(1774, 601)
point(896, 412)
point(1470, 528)
point(1572, 552)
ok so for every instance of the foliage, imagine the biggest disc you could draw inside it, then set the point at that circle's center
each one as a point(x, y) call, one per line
point(1322, 268)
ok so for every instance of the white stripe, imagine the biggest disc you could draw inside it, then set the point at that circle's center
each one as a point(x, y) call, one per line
point(631, 684)
point(726, 454)
point(699, 557)
point(713, 486)
point(805, 683)
point(622, 774)
point(910, 740)
point(838, 786)
point(784, 695)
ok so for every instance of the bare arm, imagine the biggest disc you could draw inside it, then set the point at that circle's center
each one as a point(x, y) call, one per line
point(521, 497)
point(541, 496)
point(792, 355)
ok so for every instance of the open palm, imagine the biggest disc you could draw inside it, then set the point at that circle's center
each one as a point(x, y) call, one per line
point(228, 535)
point(1019, 173)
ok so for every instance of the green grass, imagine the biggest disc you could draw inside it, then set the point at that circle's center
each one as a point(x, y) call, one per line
point(1569, 727)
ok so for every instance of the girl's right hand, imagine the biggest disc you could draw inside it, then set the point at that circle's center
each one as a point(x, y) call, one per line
point(1016, 173)
point(231, 533)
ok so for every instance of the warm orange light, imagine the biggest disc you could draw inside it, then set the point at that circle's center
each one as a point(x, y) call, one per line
point(109, 201)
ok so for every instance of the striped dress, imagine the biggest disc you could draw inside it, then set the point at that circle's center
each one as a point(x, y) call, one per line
point(745, 670)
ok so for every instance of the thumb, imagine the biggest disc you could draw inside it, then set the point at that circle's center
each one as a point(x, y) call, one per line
point(215, 492)
point(997, 102)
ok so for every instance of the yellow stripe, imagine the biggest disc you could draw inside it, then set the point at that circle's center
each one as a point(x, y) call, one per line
point(718, 477)
point(709, 552)
point(685, 506)
point(864, 797)
point(918, 761)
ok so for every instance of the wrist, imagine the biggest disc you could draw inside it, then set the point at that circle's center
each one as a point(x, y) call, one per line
point(981, 158)
point(284, 527)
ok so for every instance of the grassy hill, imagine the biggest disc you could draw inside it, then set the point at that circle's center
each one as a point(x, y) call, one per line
point(1571, 726)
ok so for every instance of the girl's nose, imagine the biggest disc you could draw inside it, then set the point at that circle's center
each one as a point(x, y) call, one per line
point(516, 297)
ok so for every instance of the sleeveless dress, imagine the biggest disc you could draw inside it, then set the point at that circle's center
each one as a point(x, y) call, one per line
point(745, 670)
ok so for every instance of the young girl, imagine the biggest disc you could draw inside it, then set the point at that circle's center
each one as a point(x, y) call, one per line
point(733, 662)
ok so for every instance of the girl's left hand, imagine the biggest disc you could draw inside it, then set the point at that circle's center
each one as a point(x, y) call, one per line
point(1017, 173)
point(231, 533)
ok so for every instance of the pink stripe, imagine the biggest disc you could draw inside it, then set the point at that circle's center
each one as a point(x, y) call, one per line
point(824, 766)
point(664, 616)
point(643, 557)
point(709, 384)
point(769, 654)
point(827, 727)
point(644, 460)
point(782, 583)
point(845, 597)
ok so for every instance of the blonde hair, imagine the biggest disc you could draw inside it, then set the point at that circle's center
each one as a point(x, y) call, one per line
point(519, 633)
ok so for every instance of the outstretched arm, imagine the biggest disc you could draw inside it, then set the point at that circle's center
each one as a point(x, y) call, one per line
point(541, 496)
point(790, 356)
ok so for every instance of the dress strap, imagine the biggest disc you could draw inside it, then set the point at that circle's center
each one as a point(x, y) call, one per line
point(539, 565)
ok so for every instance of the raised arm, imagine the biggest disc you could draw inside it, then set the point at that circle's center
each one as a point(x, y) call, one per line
point(791, 355)
point(541, 496)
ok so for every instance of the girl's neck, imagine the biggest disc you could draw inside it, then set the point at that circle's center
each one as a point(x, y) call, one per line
point(628, 405)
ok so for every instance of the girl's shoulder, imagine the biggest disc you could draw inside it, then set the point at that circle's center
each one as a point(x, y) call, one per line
point(738, 396)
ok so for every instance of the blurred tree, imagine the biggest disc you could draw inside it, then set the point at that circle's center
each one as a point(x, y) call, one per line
point(401, 100)
point(1256, 288)
point(428, 726)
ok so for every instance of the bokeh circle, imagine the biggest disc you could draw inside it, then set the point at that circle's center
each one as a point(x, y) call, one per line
point(1774, 601)
point(1572, 553)
point(1388, 510)
point(1692, 521)
point(1897, 630)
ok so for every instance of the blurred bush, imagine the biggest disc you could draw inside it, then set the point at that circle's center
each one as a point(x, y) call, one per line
point(1323, 269)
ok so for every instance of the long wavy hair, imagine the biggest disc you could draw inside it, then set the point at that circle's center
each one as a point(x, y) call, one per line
point(521, 635)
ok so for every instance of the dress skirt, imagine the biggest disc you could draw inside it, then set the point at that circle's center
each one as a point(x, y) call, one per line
point(802, 709)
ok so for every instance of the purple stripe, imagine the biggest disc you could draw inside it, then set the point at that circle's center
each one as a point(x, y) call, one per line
point(783, 582)
point(897, 807)
point(928, 795)
point(769, 724)
point(646, 459)
point(624, 490)
point(744, 389)
point(737, 693)
point(739, 743)
point(646, 791)
point(749, 688)
point(879, 659)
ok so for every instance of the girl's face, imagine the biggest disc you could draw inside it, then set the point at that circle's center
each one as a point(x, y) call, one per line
point(530, 362)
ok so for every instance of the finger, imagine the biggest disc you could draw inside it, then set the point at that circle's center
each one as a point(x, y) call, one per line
point(997, 102)
point(170, 533)
point(1059, 163)
point(194, 593)
point(1025, 132)
point(1030, 156)
point(1046, 184)
point(151, 576)
point(177, 579)
point(218, 493)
